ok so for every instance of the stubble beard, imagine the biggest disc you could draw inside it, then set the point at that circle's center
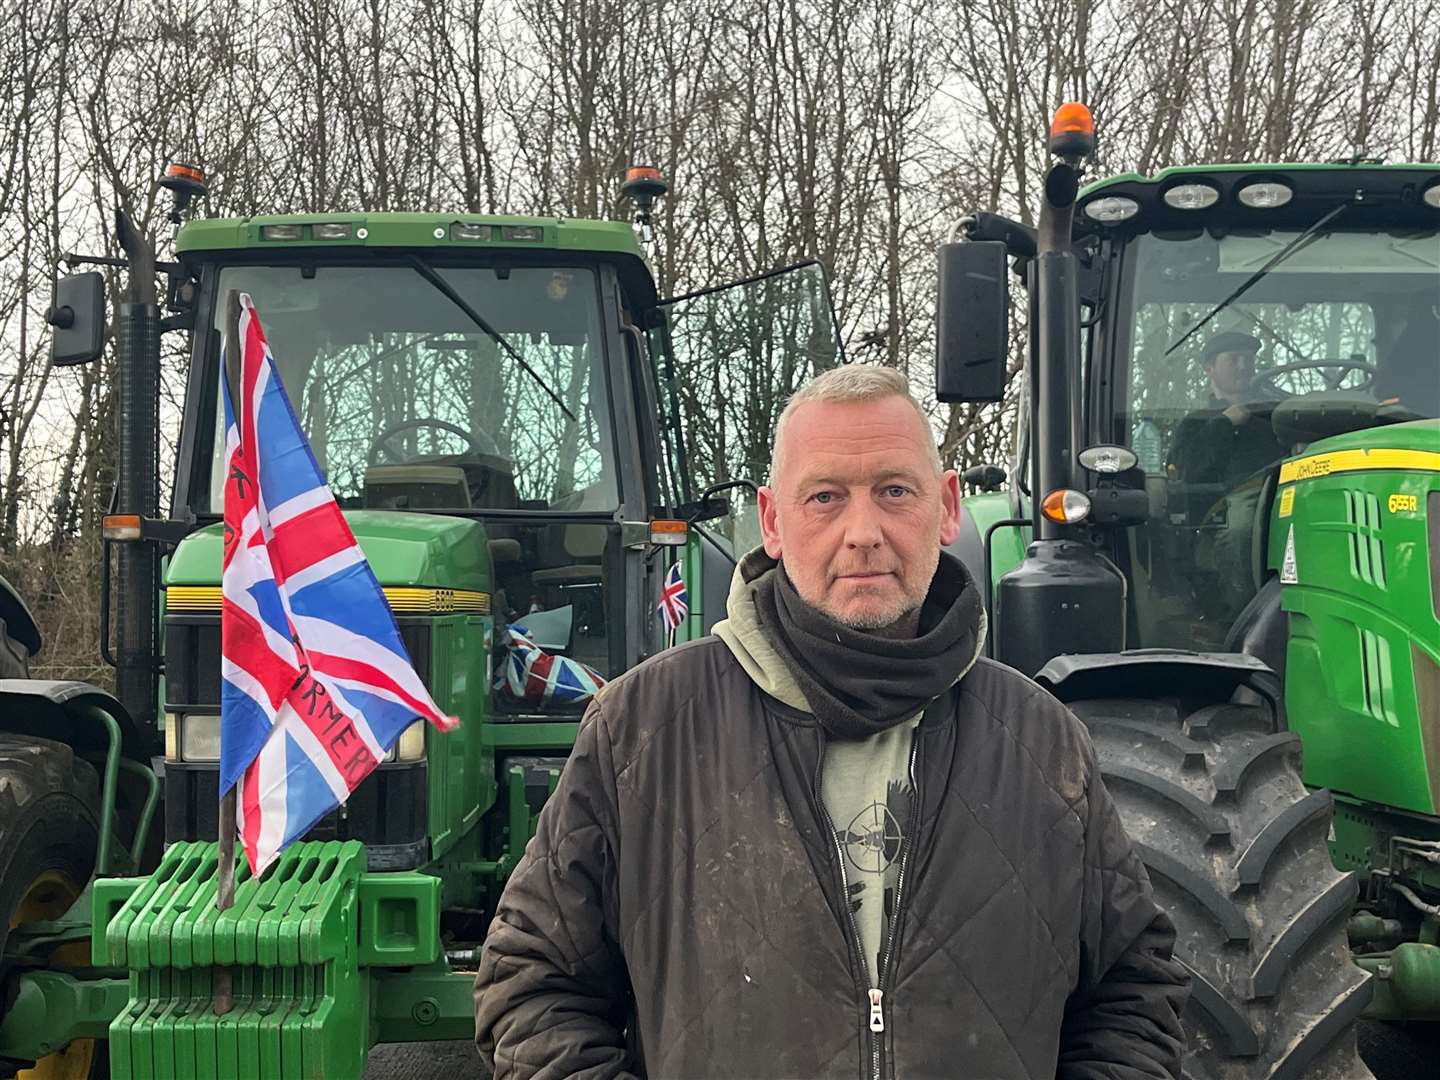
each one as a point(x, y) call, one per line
point(903, 614)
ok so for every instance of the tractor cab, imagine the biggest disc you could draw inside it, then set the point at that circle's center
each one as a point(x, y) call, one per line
point(1220, 350)
point(410, 404)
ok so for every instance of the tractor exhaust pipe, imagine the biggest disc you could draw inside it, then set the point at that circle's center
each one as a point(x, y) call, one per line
point(1055, 402)
point(1065, 596)
point(138, 472)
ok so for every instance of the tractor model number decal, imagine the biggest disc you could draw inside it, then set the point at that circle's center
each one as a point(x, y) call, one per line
point(1287, 502)
point(1399, 502)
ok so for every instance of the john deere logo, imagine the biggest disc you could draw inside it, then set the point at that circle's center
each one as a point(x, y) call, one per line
point(1398, 503)
point(1310, 468)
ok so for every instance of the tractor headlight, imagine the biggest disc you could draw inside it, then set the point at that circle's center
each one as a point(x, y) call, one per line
point(1432, 196)
point(410, 746)
point(197, 736)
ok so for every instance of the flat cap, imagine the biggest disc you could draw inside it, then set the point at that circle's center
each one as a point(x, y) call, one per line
point(1229, 341)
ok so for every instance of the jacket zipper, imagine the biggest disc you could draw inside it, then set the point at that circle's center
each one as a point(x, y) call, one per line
point(887, 953)
point(852, 936)
point(874, 995)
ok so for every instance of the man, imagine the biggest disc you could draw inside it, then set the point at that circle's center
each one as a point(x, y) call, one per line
point(1226, 441)
point(1215, 450)
point(833, 837)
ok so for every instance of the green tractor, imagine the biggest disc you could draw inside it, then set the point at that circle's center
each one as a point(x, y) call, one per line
point(493, 402)
point(1219, 542)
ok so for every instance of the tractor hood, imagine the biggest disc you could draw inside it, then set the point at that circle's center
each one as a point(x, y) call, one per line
point(1412, 446)
point(425, 551)
point(1353, 542)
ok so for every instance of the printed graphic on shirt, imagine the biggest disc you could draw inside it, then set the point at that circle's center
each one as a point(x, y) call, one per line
point(872, 843)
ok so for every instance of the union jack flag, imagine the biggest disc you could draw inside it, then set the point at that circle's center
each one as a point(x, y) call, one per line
point(674, 600)
point(532, 675)
point(316, 684)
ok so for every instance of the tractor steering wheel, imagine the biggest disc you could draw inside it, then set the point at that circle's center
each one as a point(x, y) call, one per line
point(384, 446)
point(1334, 374)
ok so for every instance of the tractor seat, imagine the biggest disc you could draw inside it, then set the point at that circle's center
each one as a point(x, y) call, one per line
point(416, 487)
point(570, 555)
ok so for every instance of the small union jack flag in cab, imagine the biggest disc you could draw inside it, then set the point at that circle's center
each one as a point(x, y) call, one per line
point(316, 683)
point(674, 603)
point(532, 675)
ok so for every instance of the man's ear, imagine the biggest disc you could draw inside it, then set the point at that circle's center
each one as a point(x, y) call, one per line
point(769, 525)
point(950, 507)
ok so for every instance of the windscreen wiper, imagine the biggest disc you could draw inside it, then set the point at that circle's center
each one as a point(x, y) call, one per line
point(429, 273)
point(1275, 260)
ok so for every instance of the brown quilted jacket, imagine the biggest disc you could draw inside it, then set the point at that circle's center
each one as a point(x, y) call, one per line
point(679, 912)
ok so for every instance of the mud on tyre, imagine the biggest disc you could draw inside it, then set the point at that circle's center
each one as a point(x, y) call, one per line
point(1236, 849)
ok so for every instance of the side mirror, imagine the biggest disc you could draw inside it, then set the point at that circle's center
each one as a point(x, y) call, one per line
point(972, 338)
point(984, 477)
point(78, 319)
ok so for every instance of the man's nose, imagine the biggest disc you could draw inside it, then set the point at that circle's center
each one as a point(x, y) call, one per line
point(862, 524)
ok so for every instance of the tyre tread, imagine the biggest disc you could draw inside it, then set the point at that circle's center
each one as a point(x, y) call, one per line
point(1273, 878)
point(1250, 870)
point(1192, 754)
point(1211, 819)
point(1230, 918)
point(1330, 905)
point(1230, 776)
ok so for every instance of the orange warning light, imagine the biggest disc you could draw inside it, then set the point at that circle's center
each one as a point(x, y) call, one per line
point(643, 172)
point(1072, 117)
point(1072, 131)
point(184, 172)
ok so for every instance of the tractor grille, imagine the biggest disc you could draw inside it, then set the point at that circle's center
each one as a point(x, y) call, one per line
point(1376, 675)
point(192, 659)
point(387, 811)
point(1367, 549)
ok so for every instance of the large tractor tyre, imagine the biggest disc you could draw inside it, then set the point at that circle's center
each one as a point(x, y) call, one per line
point(49, 810)
point(1236, 849)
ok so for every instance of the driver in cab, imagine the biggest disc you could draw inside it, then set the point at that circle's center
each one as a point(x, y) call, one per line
point(1225, 441)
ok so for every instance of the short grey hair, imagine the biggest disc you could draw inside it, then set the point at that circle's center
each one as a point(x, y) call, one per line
point(853, 383)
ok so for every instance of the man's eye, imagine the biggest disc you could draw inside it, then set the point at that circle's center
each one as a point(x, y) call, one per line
point(823, 497)
point(896, 491)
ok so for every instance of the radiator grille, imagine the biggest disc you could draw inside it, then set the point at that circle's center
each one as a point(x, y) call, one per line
point(1367, 548)
point(1376, 678)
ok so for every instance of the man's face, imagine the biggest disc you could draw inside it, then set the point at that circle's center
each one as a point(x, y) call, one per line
point(1232, 372)
point(856, 512)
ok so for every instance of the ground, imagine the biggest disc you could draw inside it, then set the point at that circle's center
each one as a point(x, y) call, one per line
point(1393, 1055)
point(424, 1061)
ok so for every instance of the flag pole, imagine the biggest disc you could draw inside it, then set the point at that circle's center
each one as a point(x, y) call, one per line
point(225, 888)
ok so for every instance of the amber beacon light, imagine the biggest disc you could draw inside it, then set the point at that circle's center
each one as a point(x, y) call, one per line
point(1072, 131)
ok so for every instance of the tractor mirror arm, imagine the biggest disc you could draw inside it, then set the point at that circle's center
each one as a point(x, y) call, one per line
point(1018, 238)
